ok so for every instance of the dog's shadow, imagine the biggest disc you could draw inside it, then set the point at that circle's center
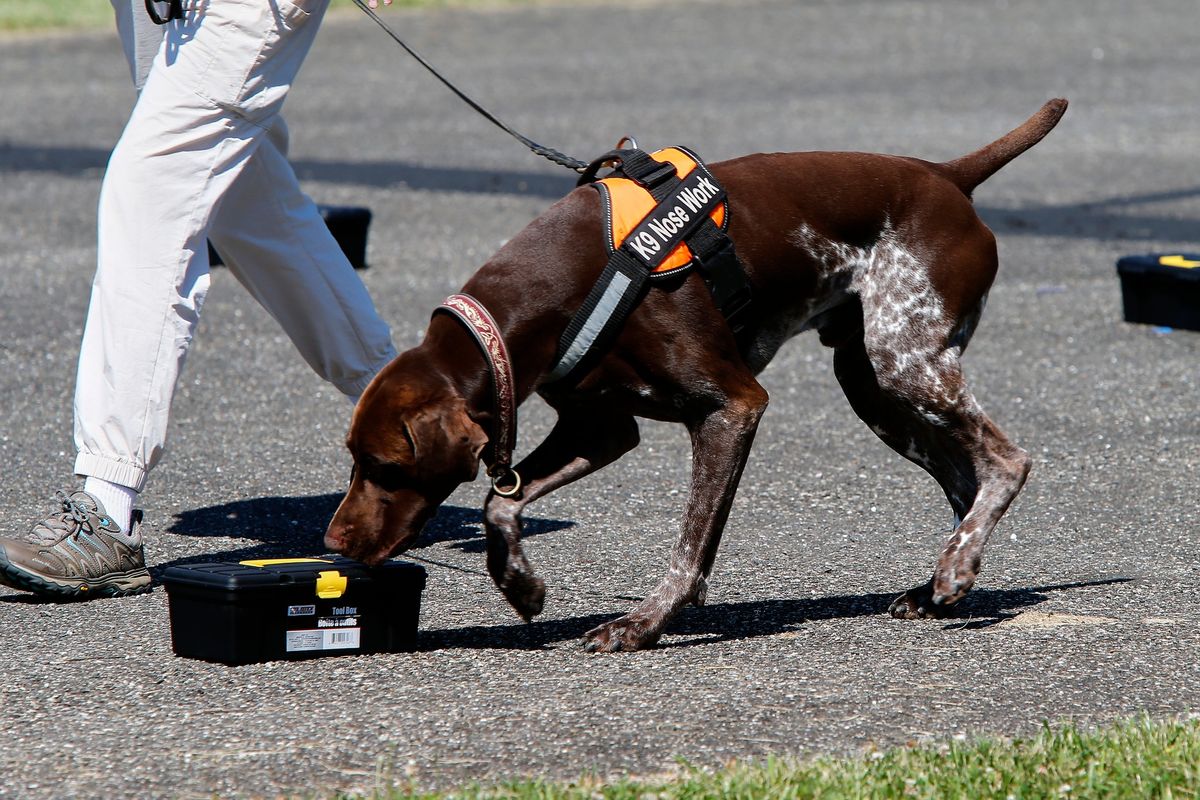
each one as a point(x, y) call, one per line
point(723, 622)
point(295, 526)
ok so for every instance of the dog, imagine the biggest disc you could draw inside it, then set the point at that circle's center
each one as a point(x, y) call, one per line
point(884, 256)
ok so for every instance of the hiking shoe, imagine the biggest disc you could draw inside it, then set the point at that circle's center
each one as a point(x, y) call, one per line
point(77, 553)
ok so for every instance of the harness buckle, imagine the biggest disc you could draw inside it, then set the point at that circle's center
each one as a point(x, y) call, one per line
point(735, 308)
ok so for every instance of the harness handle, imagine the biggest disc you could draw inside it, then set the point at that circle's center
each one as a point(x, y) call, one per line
point(633, 163)
point(588, 174)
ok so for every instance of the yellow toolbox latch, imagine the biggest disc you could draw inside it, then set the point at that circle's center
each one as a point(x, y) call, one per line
point(330, 584)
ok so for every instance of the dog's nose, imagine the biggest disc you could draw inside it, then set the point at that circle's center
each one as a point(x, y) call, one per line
point(333, 540)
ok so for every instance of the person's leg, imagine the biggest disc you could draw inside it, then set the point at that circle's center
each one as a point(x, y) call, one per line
point(215, 88)
point(272, 238)
point(140, 37)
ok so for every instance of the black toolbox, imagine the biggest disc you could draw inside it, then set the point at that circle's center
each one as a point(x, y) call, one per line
point(1161, 289)
point(271, 609)
point(348, 224)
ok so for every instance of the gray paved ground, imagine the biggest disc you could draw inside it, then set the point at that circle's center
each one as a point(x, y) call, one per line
point(1087, 609)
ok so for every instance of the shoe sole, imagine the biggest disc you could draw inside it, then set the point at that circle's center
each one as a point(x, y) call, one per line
point(117, 584)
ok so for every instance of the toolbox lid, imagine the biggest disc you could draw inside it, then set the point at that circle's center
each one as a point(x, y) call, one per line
point(330, 575)
point(1177, 266)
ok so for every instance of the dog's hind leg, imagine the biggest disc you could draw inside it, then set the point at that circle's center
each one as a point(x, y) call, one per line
point(926, 412)
point(579, 444)
point(721, 439)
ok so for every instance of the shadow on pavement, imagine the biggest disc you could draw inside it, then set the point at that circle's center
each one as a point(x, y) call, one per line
point(985, 608)
point(1103, 220)
point(377, 174)
point(732, 621)
point(294, 527)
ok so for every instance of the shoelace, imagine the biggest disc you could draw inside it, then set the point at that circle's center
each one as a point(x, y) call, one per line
point(73, 517)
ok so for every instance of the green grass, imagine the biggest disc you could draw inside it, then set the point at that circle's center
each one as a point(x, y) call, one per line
point(29, 15)
point(46, 15)
point(1137, 759)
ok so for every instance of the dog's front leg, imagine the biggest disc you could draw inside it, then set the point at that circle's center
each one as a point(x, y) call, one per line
point(579, 444)
point(721, 443)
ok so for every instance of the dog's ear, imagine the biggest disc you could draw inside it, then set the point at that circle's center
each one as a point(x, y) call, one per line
point(446, 442)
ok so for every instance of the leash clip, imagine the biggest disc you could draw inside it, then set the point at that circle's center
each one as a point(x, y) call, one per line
point(174, 11)
point(501, 473)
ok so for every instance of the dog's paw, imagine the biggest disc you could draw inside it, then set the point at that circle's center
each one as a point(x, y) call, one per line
point(918, 603)
point(526, 593)
point(621, 635)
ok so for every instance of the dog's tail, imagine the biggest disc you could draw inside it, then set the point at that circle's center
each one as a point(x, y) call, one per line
point(973, 169)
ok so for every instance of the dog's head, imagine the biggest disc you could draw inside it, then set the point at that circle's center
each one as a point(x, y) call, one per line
point(412, 445)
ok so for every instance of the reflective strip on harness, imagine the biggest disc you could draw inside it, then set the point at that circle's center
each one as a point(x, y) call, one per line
point(592, 326)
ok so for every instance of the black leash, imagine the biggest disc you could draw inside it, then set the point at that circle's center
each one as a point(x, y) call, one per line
point(545, 152)
point(175, 11)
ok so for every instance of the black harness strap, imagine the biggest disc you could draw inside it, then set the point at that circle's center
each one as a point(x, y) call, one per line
point(623, 283)
point(722, 272)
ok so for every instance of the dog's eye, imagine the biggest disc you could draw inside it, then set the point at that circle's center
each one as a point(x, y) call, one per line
point(388, 477)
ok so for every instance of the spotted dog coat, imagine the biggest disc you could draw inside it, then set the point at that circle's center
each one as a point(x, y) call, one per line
point(883, 256)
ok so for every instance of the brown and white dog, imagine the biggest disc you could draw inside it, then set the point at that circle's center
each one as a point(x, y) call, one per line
point(883, 255)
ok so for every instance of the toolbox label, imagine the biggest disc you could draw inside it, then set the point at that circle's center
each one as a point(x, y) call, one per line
point(302, 611)
point(324, 639)
point(346, 639)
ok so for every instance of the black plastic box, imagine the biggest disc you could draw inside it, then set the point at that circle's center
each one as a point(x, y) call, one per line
point(1161, 289)
point(348, 224)
point(273, 609)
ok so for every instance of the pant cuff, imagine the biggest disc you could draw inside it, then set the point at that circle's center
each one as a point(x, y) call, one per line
point(111, 470)
point(353, 387)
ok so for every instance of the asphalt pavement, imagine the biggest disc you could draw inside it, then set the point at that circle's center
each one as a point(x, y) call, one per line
point(1087, 608)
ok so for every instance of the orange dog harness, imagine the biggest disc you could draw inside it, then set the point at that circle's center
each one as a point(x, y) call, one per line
point(629, 206)
point(664, 213)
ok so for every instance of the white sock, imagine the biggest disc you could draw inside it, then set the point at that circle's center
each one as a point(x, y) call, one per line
point(116, 499)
